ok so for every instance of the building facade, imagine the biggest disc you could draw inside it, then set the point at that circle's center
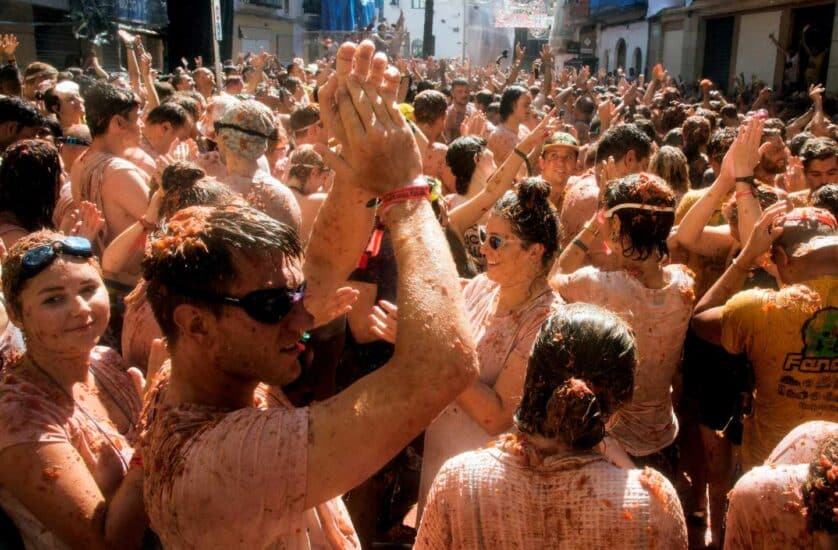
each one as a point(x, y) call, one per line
point(48, 29)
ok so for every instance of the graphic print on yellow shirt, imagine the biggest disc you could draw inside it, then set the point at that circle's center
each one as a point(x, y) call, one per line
point(791, 337)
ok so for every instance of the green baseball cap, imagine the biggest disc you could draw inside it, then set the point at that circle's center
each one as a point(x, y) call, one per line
point(561, 139)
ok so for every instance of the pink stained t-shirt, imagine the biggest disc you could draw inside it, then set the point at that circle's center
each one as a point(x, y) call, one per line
point(34, 411)
point(503, 343)
point(766, 506)
point(488, 499)
point(659, 318)
point(234, 479)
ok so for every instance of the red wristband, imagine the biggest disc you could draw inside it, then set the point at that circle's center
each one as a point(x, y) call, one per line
point(403, 194)
point(747, 193)
point(136, 460)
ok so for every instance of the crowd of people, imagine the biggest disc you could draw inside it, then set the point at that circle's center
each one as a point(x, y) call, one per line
point(376, 301)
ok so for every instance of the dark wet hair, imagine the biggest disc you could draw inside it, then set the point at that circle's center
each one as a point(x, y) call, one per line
point(720, 142)
point(820, 490)
point(22, 112)
point(509, 99)
point(826, 197)
point(617, 141)
point(696, 133)
point(184, 184)
point(644, 231)
point(484, 98)
point(169, 112)
point(797, 142)
point(531, 216)
point(580, 370)
point(672, 117)
point(10, 81)
point(15, 277)
point(103, 102)
point(673, 138)
point(460, 158)
point(197, 249)
point(29, 183)
point(818, 149)
point(429, 106)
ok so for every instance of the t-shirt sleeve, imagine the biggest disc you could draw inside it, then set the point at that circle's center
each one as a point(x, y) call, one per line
point(740, 317)
point(251, 469)
point(29, 418)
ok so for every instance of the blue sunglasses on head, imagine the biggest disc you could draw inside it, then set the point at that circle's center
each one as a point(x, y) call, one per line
point(39, 258)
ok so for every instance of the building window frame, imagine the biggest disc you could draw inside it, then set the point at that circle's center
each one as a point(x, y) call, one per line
point(417, 4)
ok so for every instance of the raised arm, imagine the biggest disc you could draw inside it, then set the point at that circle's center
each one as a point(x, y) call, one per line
point(434, 359)
point(344, 222)
point(707, 317)
point(690, 233)
point(467, 214)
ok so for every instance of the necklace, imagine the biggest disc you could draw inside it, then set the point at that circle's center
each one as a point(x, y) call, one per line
point(84, 412)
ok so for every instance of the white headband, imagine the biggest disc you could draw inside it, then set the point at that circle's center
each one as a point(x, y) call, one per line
point(638, 206)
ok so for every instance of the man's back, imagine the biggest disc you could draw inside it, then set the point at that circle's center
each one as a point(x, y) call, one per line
point(790, 337)
point(116, 186)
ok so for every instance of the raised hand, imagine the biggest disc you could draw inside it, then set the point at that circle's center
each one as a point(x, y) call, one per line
point(658, 74)
point(541, 132)
point(380, 153)
point(816, 95)
point(474, 125)
point(746, 150)
point(87, 221)
point(9, 44)
point(145, 63)
point(520, 50)
point(384, 321)
point(766, 231)
point(199, 61)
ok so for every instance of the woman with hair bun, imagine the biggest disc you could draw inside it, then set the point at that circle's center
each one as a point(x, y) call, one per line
point(656, 300)
point(506, 306)
point(544, 486)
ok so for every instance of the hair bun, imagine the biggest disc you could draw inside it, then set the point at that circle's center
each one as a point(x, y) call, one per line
point(533, 191)
point(574, 414)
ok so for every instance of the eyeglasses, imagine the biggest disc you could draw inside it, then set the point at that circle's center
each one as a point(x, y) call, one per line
point(496, 242)
point(266, 305)
point(39, 258)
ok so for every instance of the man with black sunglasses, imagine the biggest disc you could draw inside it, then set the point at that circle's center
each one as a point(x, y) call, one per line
point(226, 286)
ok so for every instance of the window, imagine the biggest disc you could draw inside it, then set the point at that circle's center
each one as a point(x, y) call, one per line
point(417, 4)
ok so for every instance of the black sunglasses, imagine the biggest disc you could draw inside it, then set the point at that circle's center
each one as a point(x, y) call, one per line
point(266, 305)
point(39, 258)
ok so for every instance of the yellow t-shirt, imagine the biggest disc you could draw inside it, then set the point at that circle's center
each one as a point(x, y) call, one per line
point(791, 337)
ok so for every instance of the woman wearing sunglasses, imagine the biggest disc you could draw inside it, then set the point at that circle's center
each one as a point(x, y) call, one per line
point(68, 407)
point(655, 300)
point(544, 485)
point(506, 305)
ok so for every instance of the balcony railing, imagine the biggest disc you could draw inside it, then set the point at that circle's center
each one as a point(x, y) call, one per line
point(600, 6)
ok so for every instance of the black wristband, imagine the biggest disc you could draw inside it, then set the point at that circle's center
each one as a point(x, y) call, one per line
point(526, 159)
point(747, 179)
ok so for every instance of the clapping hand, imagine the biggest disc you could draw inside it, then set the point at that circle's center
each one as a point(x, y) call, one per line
point(379, 151)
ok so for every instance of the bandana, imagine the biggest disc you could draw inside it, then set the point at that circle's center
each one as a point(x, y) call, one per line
point(638, 206)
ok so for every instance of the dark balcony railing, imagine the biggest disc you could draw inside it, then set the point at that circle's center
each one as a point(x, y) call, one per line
point(599, 6)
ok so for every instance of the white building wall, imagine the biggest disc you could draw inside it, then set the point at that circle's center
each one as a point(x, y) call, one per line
point(635, 34)
point(755, 54)
point(484, 42)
